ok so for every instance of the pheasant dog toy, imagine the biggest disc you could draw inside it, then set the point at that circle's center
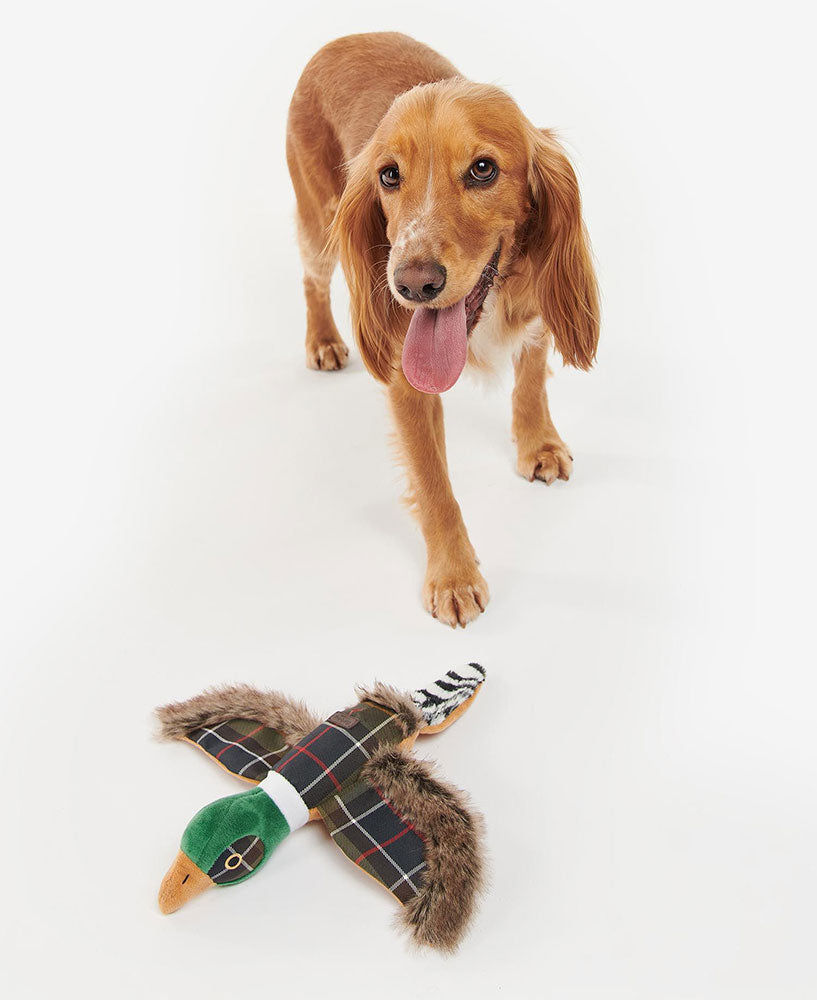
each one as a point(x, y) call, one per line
point(382, 807)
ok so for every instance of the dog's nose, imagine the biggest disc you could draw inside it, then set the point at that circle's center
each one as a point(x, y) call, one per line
point(420, 282)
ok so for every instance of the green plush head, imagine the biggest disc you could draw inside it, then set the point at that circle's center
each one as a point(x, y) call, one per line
point(224, 843)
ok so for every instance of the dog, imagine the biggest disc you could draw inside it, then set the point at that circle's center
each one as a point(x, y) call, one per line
point(458, 225)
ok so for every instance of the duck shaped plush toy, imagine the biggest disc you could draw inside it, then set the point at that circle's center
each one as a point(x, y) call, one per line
point(382, 807)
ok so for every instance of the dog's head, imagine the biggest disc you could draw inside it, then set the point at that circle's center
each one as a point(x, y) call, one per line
point(454, 186)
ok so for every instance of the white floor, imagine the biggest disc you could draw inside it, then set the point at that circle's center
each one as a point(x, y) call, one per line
point(187, 505)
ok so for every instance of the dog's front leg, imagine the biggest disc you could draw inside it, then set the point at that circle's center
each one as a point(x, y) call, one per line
point(455, 591)
point(540, 452)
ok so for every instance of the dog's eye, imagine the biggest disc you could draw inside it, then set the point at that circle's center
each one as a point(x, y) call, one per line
point(482, 171)
point(390, 177)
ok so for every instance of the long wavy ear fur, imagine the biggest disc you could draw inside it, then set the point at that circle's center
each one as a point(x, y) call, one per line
point(559, 248)
point(358, 236)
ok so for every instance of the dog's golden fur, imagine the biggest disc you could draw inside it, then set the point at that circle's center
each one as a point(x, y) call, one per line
point(366, 101)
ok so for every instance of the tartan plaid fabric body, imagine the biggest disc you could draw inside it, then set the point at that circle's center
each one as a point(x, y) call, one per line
point(370, 832)
point(324, 769)
point(243, 746)
point(318, 766)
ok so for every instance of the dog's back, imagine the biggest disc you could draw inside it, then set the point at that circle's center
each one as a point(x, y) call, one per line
point(349, 84)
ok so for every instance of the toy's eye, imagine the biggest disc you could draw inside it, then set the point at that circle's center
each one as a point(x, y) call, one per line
point(482, 171)
point(239, 860)
point(390, 177)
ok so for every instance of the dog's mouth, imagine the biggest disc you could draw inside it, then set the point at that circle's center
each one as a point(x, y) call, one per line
point(436, 345)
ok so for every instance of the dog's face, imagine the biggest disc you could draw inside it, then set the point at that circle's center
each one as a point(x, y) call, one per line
point(453, 185)
point(451, 170)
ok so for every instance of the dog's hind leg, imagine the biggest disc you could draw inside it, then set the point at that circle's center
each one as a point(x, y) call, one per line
point(317, 184)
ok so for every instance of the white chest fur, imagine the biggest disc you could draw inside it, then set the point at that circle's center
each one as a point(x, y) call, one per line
point(493, 343)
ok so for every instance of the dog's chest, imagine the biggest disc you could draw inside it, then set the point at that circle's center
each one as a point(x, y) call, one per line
point(493, 343)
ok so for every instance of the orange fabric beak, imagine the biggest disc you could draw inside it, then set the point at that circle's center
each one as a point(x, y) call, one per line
point(184, 881)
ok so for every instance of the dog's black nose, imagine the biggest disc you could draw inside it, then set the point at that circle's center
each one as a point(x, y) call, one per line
point(420, 282)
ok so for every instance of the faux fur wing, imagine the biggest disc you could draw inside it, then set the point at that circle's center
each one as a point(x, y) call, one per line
point(238, 701)
point(407, 714)
point(418, 837)
point(243, 729)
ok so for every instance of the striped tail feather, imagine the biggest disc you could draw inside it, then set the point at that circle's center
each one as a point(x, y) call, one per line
point(442, 698)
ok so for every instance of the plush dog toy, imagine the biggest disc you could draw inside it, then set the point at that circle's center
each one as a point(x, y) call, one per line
point(383, 808)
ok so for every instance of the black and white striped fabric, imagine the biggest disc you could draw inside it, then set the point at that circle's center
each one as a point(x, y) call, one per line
point(438, 700)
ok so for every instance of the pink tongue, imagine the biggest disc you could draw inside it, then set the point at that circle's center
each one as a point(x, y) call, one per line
point(436, 347)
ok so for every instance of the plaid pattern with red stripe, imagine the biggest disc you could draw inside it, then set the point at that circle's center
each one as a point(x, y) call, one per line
point(370, 832)
point(323, 768)
point(318, 766)
point(243, 746)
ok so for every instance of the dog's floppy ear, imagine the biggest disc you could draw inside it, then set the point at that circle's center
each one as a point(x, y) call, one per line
point(358, 236)
point(558, 246)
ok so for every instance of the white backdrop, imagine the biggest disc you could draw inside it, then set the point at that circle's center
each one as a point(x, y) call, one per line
point(184, 504)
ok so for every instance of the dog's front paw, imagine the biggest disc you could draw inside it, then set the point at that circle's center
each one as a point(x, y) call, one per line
point(548, 462)
point(455, 596)
point(327, 356)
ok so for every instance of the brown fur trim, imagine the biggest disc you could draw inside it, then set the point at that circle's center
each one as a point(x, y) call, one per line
point(407, 715)
point(453, 835)
point(292, 719)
